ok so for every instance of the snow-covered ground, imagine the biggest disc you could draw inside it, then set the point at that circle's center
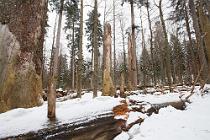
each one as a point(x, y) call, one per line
point(190, 124)
point(19, 121)
point(155, 99)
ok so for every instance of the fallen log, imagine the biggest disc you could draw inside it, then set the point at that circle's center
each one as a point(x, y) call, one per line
point(103, 128)
point(148, 108)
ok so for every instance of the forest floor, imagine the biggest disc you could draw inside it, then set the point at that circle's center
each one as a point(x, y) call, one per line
point(191, 123)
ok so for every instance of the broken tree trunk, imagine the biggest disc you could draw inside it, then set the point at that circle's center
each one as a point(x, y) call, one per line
point(108, 87)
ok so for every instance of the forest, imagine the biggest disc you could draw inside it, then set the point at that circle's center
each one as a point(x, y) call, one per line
point(105, 69)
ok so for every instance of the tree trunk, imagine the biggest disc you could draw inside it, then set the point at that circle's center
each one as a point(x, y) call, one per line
point(205, 28)
point(108, 88)
point(80, 56)
point(73, 57)
point(194, 67)
point(95, 48)
point(199, 39)
point(122, 85)
point(114, 44)
point(130, 73)
point(52, 84)
point(143, 47)
point(167, 53)
point(133, 43)
point(22, 30)
point(151, 43)
point(122, 28)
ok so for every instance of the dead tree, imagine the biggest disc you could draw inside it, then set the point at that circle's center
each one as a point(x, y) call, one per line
point(108, 87)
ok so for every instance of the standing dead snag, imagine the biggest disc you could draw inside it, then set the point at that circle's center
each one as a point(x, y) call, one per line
point(108, 87)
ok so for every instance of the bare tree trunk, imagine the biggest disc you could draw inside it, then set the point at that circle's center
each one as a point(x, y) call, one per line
point(151, 43)
point(52, 85)
point(73, 58)
point(199, 38)
point(122, 85)
point(103, 57)
point(130, 73)
point(133, 43)
point(80, 55)
point(114, 44)
point(122, 28)
point(21, 53)
point(194, 67)
point(204, 21)
point(143, 47)
point(167, 53)
point(92, 69)
point(108, 88)
point(96, 51)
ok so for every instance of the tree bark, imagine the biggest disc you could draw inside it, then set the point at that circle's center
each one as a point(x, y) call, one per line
point(133, 43)
point(151, 43)
point(108, 88)
point(95, 47)
point(167, 53)
point(80, 55)
point(21, 53)
point(195, 69)
point(204, 21)
point(114, 44)
point(73, 57)
point(130, 73)
point(199, 39)
point(52, 85)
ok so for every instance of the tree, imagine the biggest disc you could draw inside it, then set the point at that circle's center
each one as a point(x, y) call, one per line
point(159, 56)
point(63, 72)
point(200, 41)
point(177, 59)
point(95, 37)
point(133, 43)
point(21, 53)
point(151, 41)
point(123, 67)
point(108, 88)
point(72, 23)
point(166, 44)
point(54, 73)
point(80, 54)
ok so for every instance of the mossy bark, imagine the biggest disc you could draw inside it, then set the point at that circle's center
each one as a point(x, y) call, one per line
point(21, 39)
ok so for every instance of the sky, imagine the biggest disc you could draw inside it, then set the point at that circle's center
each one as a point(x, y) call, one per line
point(120, 10)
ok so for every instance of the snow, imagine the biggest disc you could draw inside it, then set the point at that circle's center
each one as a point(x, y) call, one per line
point(155, 99)
point(170, 123)
point(19, 121)
point(134, 116)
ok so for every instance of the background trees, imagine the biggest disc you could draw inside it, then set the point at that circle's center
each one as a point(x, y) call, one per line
point(152, 52)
